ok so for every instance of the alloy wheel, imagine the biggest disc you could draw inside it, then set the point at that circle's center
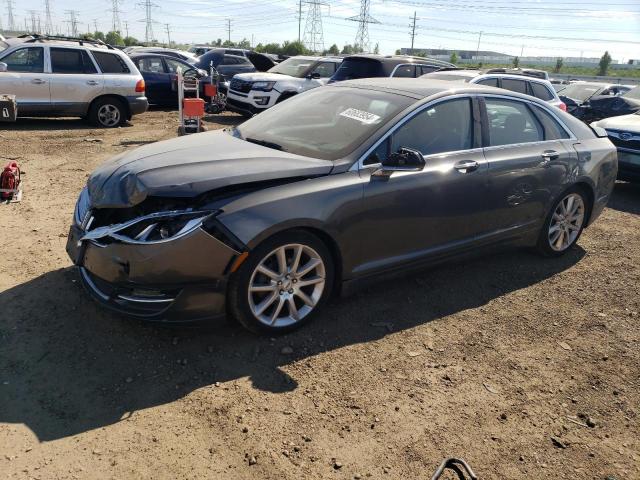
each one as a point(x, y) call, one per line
point(566, 222)
point(109, 115)
point(286, 285)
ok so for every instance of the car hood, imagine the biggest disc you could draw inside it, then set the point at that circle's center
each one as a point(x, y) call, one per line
point(189, 166)
point(629, 123)
point(264, 77)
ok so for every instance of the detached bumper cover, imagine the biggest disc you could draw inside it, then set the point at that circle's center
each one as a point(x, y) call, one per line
point(176, 281)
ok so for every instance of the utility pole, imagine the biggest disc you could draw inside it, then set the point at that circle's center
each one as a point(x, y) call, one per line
point(364, 19)
point(229, 30)
point(478, 49)
point(168, 34)
point(299, 17)
point(48, 24)
point(95, 24)
point(11, 21)
point(313, 36)
point(115, 16)
point(73, 22)
point(413, 31)
point(521, 51)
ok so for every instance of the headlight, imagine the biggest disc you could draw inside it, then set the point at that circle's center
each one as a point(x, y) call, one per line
point(263, 86)
point(154, 228)
point(82, 207)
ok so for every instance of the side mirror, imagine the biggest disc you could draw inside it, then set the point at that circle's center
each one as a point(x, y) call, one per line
point(404, 160)
point(3, 67)
point(314, 76)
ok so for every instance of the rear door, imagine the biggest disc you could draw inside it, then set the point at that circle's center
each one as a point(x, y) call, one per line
point(26, 79)
point(75, 81)
point(529, 162)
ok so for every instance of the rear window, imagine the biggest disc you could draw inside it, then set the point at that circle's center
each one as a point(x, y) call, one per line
point(405, 71)
point(3, 45)
point(490, 82)
point(541, 91)
point(71, 60)
point(110, 62)
point(354, 68)
point(514, 85)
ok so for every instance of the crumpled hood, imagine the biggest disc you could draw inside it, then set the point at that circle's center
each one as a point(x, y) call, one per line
point(263, 77)
point(629, 123)
point(188, 166)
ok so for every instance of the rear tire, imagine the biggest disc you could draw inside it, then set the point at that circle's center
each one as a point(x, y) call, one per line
point(108, 113)
point(564, 223)
point(297, 283)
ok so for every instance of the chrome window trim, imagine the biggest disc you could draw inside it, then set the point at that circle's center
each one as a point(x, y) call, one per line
point(359, 164)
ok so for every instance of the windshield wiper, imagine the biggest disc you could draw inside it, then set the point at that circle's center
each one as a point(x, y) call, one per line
point(265, 143)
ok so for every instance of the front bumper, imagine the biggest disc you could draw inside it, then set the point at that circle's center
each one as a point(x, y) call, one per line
point(137, 105)
point(628, 165)
point(175, 281)
point(242, 107)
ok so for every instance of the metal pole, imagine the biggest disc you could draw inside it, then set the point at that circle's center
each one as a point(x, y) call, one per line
point(413, 31)
point(478, 49)
point(299, 17)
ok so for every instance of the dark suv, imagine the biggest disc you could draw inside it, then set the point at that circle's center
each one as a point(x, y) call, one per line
point(369, 65)
point(227, 65)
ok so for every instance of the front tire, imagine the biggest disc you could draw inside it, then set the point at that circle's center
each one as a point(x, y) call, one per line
point(564, 223)
point(108, 113)
point(285, 281)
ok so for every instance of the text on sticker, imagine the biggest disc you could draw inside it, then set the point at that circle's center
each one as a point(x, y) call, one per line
point(361, 115)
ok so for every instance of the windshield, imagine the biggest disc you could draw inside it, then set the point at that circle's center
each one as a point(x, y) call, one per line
point(294, 67)
point(354, 68)
point(326, 123)
point(633, 93)
point(3, 45)
point(580, 91)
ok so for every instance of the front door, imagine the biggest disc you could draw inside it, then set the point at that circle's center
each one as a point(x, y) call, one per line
point(415, 215)
point(26, 79)
point(157, 81)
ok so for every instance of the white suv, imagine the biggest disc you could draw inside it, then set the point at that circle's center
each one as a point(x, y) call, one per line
point(251, 93)
point(64, 77)
point(519, 82)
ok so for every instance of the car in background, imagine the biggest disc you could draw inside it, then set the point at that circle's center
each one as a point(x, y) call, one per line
point(71, 78)
point(624, 133)
point(321, 193)
point(605, 106)
point(529, 72)
point(579, 92)
point(521, 83)
point(226, 65)
point(198, 50)
point(171, 52)
point(252, 93)
point(398, 66)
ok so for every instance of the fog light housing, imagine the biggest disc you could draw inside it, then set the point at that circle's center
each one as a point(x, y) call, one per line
point(261, 100)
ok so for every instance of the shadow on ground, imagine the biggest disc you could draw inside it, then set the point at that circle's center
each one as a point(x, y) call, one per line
point(44, 124)
point(67, 367)
point(626, 198)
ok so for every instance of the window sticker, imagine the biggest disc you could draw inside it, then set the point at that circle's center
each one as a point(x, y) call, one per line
point(360, 115)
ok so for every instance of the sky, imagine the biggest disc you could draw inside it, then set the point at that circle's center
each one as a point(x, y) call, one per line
point(571, 28)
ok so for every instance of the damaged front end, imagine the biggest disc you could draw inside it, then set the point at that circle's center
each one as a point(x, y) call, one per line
point(170, 264)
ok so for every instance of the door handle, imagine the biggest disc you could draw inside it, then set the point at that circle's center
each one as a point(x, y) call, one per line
point(38, 81)
point(92, 82)
point(466, 166)
point(548, 156)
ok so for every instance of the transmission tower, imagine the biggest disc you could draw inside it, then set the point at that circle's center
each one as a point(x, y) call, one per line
point(11, 22)
point(364, 19)
point(313, 36)
point(126, 28)
point(73, 22)
point(115, 16)
point(34, 24)
point(148, 8)
point(48, 24)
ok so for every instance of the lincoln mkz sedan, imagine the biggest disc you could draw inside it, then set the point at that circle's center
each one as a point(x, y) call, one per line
point(264, 221)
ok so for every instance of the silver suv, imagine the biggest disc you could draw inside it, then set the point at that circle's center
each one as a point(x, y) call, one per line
point(60, 76)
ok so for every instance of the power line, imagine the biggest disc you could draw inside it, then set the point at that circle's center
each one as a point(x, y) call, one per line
point(313, 35)
point(364, 19)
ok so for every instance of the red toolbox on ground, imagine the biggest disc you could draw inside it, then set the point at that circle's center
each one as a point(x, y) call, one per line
point(193, 107)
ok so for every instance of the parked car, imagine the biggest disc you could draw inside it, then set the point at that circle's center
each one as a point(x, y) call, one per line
point(624, 133)
point(577, 93)
point(529, 72)
point(71, 78)
point(198, 50)
point(370, 65)
point(227, 65)
point(319, 194)
point(536, 87)
point(605, 106)
point(170, 52)
point(252, 93)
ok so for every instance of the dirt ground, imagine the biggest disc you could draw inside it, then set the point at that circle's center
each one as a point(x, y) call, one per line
point(525, 367)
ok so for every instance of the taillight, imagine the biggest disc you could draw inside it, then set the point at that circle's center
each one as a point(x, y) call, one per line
point(140, 86)
point(562, 107)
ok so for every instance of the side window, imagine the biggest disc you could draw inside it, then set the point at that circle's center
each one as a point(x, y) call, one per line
point(541, 91)
point(25, 60)
point(511, 122)
point(405, 71)
point(227, 60)
point(424, 69)
point(445, 127)
point(71, 60)
point(173, 65)
point(110, 62)
point(150, 65)
point(552, 129)
point(325, 69)
point(490, 82)
point(519, 86)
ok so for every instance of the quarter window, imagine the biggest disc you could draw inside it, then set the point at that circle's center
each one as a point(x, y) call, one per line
point(405, 71)
point(540, 91)
point(25, 60)
point(110, 62)
point(71, 60)
point(444, 127)
point(511, 122)
point(150, 65)
point(519, 86)
point(552, 129)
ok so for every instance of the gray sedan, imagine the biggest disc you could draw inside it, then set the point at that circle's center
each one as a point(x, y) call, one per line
point(263, 222)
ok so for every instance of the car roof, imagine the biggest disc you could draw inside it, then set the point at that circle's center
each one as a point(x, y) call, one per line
point(515, 76)
point(397, 59)
point(156, 54)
